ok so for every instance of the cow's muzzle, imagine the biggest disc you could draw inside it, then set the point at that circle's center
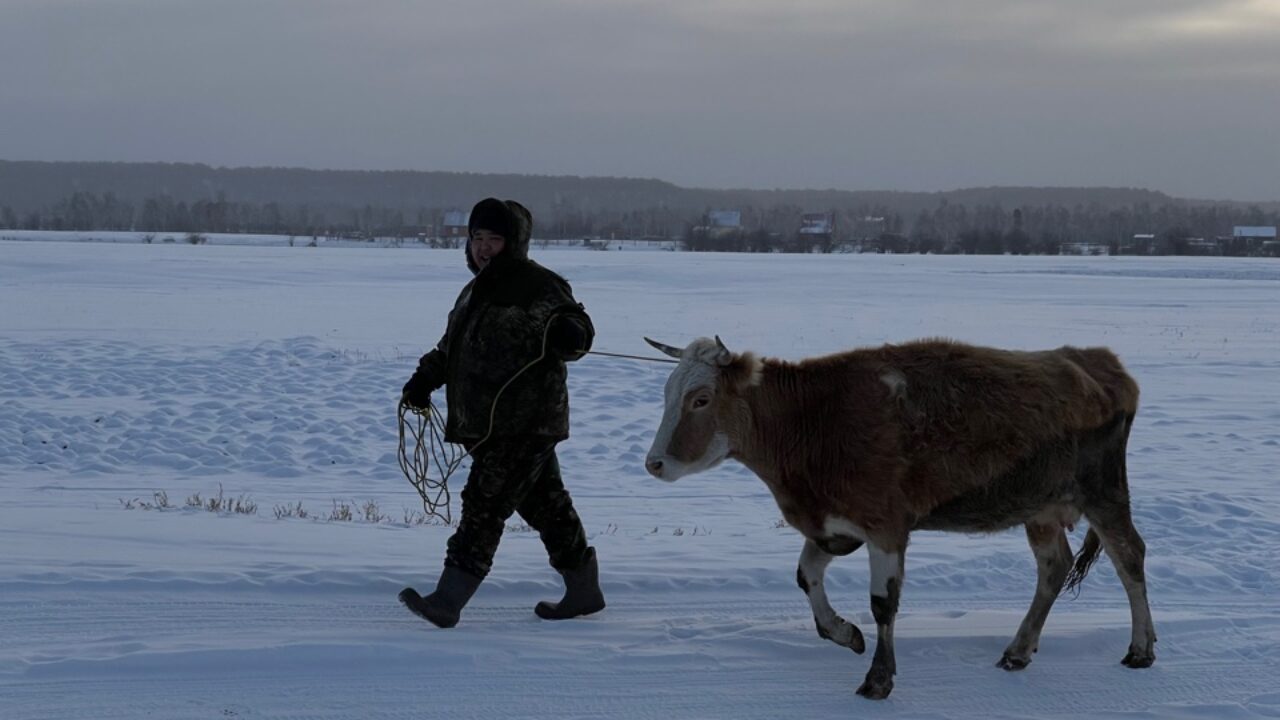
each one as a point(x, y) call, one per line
point(655, 466)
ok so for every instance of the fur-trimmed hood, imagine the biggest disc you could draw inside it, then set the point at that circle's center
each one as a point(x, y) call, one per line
point(516, 247)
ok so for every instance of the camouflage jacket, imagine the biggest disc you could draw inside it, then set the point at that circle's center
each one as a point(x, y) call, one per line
point(496, 327)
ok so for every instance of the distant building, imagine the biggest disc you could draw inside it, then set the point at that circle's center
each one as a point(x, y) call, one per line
point(729, 219)
point(1083, 248)
point(1202, 246)
point(720, 230)
point(818, 224)
point(1267, 232)
point(1139, 244)
point(1251, 240)
point(721, 224)
point(816, 233)
point(870, 226)
point(455, 223)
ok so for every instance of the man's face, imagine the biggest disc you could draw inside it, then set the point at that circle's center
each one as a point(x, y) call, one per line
point(485, 245)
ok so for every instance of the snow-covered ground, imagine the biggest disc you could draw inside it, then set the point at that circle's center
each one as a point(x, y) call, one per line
point(132, 372)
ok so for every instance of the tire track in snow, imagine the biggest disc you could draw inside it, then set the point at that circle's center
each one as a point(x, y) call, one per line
point(214, 657)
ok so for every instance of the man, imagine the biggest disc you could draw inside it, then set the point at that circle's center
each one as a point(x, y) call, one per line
point(509, 413)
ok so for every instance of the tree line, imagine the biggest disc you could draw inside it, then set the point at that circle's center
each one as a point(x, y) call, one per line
point(949, 227)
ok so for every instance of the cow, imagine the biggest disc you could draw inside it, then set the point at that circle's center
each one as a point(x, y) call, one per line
point(862, 447)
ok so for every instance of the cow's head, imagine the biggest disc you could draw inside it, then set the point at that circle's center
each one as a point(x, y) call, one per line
point(692, 436)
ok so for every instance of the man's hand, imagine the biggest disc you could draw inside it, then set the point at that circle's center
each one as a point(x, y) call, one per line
point(417, 392)
point(565, 338)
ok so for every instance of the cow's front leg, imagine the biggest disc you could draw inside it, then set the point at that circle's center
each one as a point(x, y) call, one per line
point(810, 575)
point(886, 587)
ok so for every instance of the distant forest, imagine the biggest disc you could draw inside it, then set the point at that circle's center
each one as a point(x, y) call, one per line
point(191, 198)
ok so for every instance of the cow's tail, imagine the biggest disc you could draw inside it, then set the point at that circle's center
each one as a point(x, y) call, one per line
point(1084, 560)
point(1118, 485)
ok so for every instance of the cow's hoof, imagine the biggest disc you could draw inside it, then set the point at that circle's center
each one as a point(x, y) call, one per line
point(1013, 662)
point(846, 635)
point(1138, 660)
point(877, 686)
point(856, 642)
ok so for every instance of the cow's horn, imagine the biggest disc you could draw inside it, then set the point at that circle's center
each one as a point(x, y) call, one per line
point(724, 357)
point(665, 349)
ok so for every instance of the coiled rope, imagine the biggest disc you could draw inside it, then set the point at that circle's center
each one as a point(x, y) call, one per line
point(430, 451)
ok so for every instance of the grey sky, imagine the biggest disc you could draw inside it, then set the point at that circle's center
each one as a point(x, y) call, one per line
point(1175, 95)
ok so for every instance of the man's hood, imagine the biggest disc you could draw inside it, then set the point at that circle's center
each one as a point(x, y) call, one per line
point(515, 247)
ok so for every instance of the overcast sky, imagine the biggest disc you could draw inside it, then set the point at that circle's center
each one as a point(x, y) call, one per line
point(1181, 96)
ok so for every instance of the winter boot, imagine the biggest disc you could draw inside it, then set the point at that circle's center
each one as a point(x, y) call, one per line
point(443, 606)
point(582, 594)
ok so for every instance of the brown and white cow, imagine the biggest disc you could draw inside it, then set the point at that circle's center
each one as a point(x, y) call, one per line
point(864, 446)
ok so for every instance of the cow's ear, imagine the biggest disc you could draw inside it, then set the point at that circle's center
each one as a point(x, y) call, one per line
point(742, 371)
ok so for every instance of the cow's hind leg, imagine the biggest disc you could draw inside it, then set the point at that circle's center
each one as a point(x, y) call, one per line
point(886, 588)
point(1053, 561)
point(1128, 553)
point(1107, 508)
point(810, 576)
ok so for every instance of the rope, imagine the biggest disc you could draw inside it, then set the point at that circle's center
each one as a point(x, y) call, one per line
point(416, 465)
point(634, 357)
point(431, 451)
point(447, 458)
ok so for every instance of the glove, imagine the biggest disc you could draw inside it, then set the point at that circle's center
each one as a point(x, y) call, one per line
point(565, 338)
point(417, 392)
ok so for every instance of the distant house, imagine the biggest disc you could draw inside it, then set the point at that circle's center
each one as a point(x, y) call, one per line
point(817, 231)
point(1267, 232)
point(1139, 244)
point(1083, 248)
point(870, 226)
point(1251, 240)
point(455, 223)
point(723, 224)
point(1202, 246)
point(720, 230)
point(823, 224)
point(728, 219)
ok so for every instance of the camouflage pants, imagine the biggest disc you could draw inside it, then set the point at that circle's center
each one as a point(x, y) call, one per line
point(515, 475)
